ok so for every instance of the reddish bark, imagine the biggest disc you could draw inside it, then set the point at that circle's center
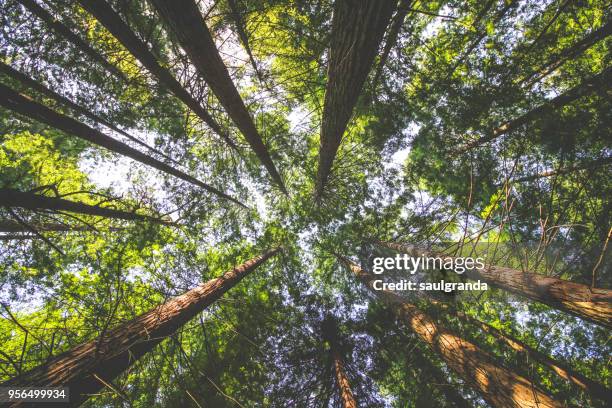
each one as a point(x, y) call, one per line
point(330, 334)
point(105, 14)
point(27, 107)
point(184, 20)
point(580, 300)
point(498, 385)
point(357, 31)
point(82, 368)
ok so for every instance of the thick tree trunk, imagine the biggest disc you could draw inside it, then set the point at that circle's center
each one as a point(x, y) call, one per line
point(183, 19)
point(440, 379)
point(357, 31)
point(498, 385)
point(26, 106)
point(13, 198)
point(84, 368)
point(599, 82)
point(112, 21)
point(603, 161)
point(593, 388)
point(580, 300)
point(37, 86)
point(67, 33)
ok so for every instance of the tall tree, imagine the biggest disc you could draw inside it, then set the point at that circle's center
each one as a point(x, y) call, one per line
point(357, 31)
point(498, 385)
point(28, 107)
point(184, 20)
point(54, 24)
point(89, 367)
point(10, 198)
point(330, 334)
point(588, 303)
point(113, 22)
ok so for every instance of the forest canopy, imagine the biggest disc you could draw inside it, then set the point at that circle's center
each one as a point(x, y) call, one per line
point(194, 195)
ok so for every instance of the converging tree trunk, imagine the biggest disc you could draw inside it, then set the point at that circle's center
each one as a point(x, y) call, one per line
point(112, 21)
point(27, 107)
point(14, 226)
point(498, 385)
point(14, 198)
point(331, 335)
point(602, 161)
point(357, 31)
point(598, 82)
point(68, 34)
point(183, 19)
point(37, 86)
point(577, 299)
point(87, 368)
point(593, 388)
point(244, 38)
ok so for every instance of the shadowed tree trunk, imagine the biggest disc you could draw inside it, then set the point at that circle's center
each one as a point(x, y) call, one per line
point(331, 335)
point(13, 198)
point(593, 388)
point(67, 33)
point(580, 300)
point(603, 161)
point(600, 83)
point(86, 368)
point(14, 226)
point(498, 385)
point(37, 86)
point(26, 106)
point(244, 39)
point(357, 31)
point(112, 21)
point(183, 19)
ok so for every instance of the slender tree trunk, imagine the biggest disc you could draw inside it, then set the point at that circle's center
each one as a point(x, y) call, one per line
point(67, 33)
point(440, 379)
point(330, 333)
point(13, 226)
point(391, 40)
point(37, 86)
point(183, 19)
point(112, 21)
point(593, 388)
point(26, 106)
point(603, 161)
point(82, 368)
point(580, 300)
point(357, 31)
point(17, 237)
point(498, 385)
point(567, 54)
point(13, 198)
point(598, 82)
point(244, 39)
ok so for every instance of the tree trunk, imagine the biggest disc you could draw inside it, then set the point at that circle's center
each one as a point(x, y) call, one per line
point(593, 388)
point(67, 33)
point(357, 30)
point(13, 198)
point(105, 14)
point(599, 82)
point(13, 226)
point(498, 385)
point(588, 303)
point(440, 379)
point(26, 106)
point(602, 161)
point(244, 39)
point(37, 86)
point(85, 368)
point(330, 333)
point(183, 19)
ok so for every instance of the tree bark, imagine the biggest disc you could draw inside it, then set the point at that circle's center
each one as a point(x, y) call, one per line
point(592, 304)
point(599, 82)
point(82, 368)
point(13, 226)
point(498, 385)
point(330, 333)
point(67, 33)
point(27, 107)
point(184, 20)
point(105, 14)
point(357, 31)
point(13, 198)
point(244, 39)
point(593, 388)
point(37, 86)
